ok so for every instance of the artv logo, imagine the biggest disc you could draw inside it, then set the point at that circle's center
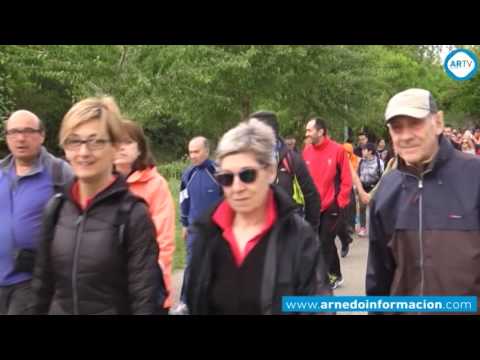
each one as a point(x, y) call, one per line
point(461, 64)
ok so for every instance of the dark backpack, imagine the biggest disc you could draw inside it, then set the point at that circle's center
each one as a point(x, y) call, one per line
point(297, 193)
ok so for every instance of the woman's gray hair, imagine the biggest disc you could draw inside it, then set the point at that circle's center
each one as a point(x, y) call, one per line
point(252, 136)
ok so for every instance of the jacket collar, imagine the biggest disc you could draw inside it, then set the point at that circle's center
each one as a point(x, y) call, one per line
point(119, 186)
point(7, 162)
point(206, 164)
point(142, 176)
point(326, 141)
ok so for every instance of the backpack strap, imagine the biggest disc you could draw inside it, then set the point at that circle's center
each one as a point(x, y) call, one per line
point(290, 161)
point(122, 221)
point(123, 215)
point(57, 174)
point(359, 166)
point(287, 163)
point(52, 210)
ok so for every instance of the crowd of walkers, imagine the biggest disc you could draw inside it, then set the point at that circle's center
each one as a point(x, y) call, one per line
point(94, 233)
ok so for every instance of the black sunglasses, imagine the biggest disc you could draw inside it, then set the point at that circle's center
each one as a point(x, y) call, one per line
point(247, 176)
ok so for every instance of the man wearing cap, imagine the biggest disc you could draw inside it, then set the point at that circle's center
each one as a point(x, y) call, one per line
point(425, 218)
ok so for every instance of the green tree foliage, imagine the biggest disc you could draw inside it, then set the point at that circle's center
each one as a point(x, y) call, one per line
point(179, 91)
point(463, 98)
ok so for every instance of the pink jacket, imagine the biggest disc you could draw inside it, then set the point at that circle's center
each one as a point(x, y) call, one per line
point(153, 187)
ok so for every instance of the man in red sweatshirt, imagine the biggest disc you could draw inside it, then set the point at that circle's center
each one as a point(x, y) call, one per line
point(328, 165)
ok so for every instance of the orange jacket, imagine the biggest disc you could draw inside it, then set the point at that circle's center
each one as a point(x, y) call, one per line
point(153, 187)
point(351, 156)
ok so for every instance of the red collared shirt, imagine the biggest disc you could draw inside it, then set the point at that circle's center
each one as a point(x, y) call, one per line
point(224, 216)
point(76, 193)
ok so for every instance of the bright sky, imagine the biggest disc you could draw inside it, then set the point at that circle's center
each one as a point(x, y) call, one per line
point(444, 52)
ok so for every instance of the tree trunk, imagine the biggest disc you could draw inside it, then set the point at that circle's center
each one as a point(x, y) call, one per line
point(123, 57)
point(246, 108)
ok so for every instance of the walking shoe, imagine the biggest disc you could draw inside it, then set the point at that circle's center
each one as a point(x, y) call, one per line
point(362, 232)
point(181, 309)
point(345, 250)
point(335, 281)
point(331, 279)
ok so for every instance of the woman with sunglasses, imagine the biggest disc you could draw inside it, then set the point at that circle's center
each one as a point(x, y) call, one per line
point(252, 248)
point(86, 264)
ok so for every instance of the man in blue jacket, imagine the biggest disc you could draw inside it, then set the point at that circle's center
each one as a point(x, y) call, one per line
point(198, 192)
point(29, 176)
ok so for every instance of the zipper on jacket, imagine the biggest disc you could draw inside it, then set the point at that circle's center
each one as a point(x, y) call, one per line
point(420, 235)
point(212, 178)
point(79, 231)
point(80, 225)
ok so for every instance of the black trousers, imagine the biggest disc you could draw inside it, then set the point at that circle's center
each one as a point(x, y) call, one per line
point(329, 225)
point(347, 226)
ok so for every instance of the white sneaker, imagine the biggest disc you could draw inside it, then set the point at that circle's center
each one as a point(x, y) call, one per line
point(181, 309)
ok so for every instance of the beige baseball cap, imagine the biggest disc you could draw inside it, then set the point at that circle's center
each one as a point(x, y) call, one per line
point(417, 103)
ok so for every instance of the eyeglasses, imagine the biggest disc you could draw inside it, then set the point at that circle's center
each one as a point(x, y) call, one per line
point(25, 131)
point(92, 144)
point(247, 176)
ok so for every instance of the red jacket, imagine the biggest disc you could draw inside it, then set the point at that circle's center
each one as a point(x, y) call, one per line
point(322, 161)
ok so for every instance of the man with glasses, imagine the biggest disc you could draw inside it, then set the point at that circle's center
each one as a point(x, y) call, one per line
point(199, 190)
point(29, 176)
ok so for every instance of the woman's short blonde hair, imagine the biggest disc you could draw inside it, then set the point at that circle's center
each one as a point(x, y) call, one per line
point(104, 109)
point(252, 136)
